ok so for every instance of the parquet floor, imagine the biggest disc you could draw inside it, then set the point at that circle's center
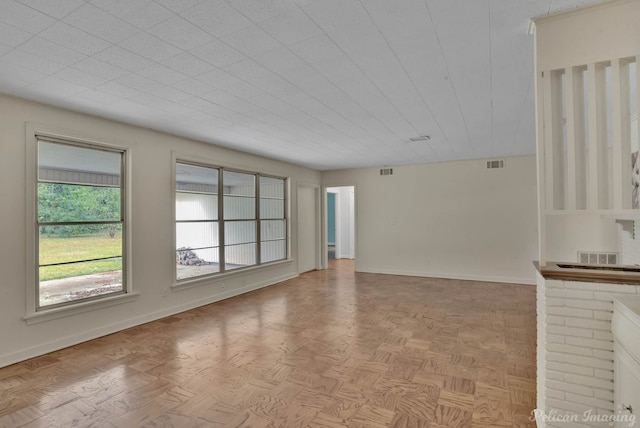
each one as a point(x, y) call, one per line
point(328, 349)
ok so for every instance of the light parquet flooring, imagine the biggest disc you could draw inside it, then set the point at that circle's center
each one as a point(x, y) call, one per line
point(328, 349)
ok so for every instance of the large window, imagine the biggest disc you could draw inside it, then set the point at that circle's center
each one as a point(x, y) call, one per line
point(80, 223)
point(227, 220)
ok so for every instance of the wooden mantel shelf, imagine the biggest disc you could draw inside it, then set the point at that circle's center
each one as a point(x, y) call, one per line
point(617, 274)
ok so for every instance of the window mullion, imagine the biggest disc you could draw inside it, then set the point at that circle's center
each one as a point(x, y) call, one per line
point(258, 225)
point(221, 221)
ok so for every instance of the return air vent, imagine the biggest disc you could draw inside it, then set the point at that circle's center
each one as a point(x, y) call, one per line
point(592, 258)
point(493, 164)
point(386, 171)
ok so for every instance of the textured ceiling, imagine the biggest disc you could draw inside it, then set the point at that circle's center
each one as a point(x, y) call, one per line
point(322, 83)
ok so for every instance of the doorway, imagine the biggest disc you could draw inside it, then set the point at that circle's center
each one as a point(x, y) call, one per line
point(340, 236)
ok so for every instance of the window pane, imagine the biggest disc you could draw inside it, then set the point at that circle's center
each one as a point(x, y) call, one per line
point(197, 235)
point(68, 202)
point(239, 232)
point(239, 184)
point(64, 163)
point(273, 250)
point(272, 229)
point(191, 263)
point(272, 187)
point(80, 185)
point(62, 244)
point(239, 207)
point(196, 178)
point(196, 206)
point(236, 256)
point(271, 208)
point(77, 281)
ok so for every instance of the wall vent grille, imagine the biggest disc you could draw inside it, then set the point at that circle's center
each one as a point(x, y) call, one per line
point(593, 258)
point(493, 164)
point(386, 171)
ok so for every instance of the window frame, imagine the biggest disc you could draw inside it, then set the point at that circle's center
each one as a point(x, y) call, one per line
point(223, 270)
point(34, 311)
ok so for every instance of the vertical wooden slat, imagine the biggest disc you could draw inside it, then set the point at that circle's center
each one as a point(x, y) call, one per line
point(572, 159)
point(637, 115)
point(579, 125)
point(554, 156)
point(620, 121)
point(540, 162)
point(597, 181)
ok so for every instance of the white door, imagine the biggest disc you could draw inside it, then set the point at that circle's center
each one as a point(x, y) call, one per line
point(308, 230)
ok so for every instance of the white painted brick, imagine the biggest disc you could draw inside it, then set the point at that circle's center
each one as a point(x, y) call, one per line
point(554, 284)
point(570, 387)
point(603, 335)
point(604, 355)
point(604, 374)
point(574, 285)
point(591, 381)
point(616, 288)
point(589, 343)
point(590, 324)
point(602, 297)
point(594, 363)
point(569, 368)
point(566, 406)
point(556, 338)
point(555, 320)
point(556, 357)
point(570, 331)
point(589, 304)
point(590, 401)
point(604, 394)
point(555, 375)
point(568, 349)
point(555, 302)
point(606, 297)
point(603, 315)
point(570, 312)
point(558, 395)
point(570, 294)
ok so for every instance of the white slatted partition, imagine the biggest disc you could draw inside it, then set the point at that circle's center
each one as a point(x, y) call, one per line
point(587, 102)
point(620, 110)
point(587, 151)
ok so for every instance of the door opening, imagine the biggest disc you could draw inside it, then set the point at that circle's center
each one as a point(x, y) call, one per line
point(340, 236)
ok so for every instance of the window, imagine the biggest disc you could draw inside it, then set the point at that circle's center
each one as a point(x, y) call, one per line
point(81, 227)
point(227, 220)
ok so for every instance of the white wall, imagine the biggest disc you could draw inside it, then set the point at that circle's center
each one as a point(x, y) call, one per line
point(568, 234)
point(151, 228)
point(452, 219)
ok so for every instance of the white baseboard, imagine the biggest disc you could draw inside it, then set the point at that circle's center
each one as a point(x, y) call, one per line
point(64, 342)
point(502, 279)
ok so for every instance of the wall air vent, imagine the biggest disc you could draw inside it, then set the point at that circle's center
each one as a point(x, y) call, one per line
point(593, 258)
point(493, 164)
point(386, 171)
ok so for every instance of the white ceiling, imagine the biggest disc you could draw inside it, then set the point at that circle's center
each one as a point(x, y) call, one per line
point(322, 83)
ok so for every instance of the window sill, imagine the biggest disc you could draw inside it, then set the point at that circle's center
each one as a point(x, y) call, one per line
point(78, 308)
point(202, 280)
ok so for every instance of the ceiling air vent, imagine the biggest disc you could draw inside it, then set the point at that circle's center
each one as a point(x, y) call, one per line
point(493, 164)
point(386, 171)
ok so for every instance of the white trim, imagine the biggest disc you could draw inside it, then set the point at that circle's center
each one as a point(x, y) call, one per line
point(481, 278)
point(32, 130)
point(215, 277)
point(54, 345)
point(78, 308)
point(177, 157)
